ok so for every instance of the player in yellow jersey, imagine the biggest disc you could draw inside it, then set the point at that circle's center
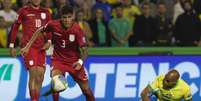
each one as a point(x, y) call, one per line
point(168, 88)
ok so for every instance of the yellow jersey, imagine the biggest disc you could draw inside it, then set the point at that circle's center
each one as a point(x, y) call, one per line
point(177, 93)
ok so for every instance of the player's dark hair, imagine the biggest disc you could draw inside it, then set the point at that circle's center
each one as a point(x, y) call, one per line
point(67, 9)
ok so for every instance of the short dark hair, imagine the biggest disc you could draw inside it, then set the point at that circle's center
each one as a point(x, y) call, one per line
point(67, 9)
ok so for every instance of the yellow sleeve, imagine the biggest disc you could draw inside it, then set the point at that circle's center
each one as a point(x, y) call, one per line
point(154, 86)
point(187, 95)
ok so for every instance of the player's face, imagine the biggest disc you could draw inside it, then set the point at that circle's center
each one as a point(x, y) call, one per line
point(169, 83)
point(35, 2)
point(67, 19)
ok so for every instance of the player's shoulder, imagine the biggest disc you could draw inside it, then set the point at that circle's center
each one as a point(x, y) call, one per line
point(43, 9)
point(76, 25)
point(160, 77)
point(53, 22)
point(183, 84)
point(77, 28)
point(184, 87)
point(24, 8)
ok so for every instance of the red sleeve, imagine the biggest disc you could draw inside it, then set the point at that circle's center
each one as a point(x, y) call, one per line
point(81, 38)
point(20, 16)
point(49, 18)
point(15, 27)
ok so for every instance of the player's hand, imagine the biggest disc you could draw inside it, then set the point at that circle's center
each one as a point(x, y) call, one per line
point(77, 66)
point(46, 46)
point(24, 51)
point(13, 52)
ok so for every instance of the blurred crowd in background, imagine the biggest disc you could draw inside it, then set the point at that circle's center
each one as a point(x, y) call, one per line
point(121, 23)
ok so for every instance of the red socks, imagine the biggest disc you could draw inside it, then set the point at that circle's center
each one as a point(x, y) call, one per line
point(55, 96)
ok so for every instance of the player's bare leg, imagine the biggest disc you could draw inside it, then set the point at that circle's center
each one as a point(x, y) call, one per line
point(40, 77)
point(32, 84)
point(84, 85)
point(55, 95)
point(35, 82)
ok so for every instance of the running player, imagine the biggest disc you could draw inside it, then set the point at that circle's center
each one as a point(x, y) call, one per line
point(67, 38)
point(32, 17)
point(168, 88)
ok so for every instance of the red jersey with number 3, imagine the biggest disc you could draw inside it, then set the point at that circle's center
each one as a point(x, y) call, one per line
point(31, 19)
point(66, 41)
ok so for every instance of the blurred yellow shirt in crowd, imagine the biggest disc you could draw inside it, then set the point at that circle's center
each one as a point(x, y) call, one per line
point(112, 1)
point(13, 1)
point(50, 10)
point(131, 12)
point(179, 92)
point(3, 37)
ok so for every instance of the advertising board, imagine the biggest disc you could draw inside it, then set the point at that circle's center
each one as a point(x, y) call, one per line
point(112, 78)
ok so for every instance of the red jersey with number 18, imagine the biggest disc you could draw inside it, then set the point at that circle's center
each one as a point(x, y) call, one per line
point(66, 41)
point(31, 19)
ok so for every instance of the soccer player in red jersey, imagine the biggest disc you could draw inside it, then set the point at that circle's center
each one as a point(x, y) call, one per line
point(32, 17)
point(68, 40)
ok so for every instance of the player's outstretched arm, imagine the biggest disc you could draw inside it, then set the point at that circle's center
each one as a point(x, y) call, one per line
point(25, 50)
point(144, 94)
